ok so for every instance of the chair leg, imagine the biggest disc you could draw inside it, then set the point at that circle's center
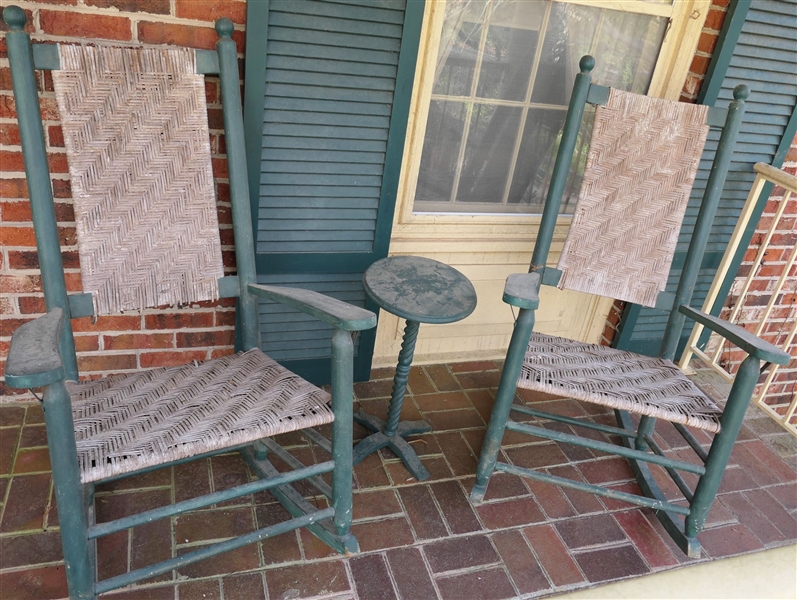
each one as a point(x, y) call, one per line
point(646, 426)
point(720, 451)
point(503, 403)
point(68, 491)
point(342, 433)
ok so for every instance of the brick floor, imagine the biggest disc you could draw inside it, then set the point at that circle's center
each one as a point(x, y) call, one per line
point(418, 540)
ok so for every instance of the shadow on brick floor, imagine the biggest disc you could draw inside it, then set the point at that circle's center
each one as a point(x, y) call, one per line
point(418, 540)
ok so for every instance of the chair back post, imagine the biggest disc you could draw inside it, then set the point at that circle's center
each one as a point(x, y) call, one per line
point(247, 321)
point(31, 132)
point(564, 157)
point(705, 219)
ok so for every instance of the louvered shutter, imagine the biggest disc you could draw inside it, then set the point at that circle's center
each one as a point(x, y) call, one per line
point(763, 54)
point(331, 89)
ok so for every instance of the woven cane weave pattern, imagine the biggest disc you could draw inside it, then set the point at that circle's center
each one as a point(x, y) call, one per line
point(641, 165)
point(618, 379)
point(137, 141)
point(152, 417)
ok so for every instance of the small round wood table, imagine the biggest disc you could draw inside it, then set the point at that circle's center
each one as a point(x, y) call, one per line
point(419, 290)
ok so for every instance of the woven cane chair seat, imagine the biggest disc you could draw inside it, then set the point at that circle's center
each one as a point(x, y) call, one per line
point(130, 422)
point(618, 379)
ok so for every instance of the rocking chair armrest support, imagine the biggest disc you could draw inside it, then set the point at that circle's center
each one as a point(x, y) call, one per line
point(522, 290)
point(341, 315)
point(750, 343)
point(34, 359)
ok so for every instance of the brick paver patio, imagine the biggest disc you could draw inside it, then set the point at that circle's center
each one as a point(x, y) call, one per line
point(418, 540)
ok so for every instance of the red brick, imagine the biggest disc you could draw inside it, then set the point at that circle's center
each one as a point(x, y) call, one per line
point(40, 583)
point(87, 343)
point(409, 560)
point(9, 134)
point(20, 284)
point(646, 539)
point(13, 188)
point(378, 535)
point(489, 583)
point(17, 236)
point(714, 19)
point(521, 563)
point(55, 135)
point(85, 26)
point(699, 65)
point(157, 7)
point(28, 21)
point(170, 359)
point(729, 541)
point(107, 362)
point(422, 512)
point(179, 320)
point(210, 10)
point(553, 555)
point(136, 341)
point(205, 338)
point(510, 513)
point(179, 35)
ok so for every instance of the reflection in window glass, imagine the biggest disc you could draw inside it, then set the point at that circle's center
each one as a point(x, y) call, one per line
point(504, 72)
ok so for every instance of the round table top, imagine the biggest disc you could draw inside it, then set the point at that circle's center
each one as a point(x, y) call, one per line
point(420, 289)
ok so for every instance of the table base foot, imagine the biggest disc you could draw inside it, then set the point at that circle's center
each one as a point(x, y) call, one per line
point(396, 442)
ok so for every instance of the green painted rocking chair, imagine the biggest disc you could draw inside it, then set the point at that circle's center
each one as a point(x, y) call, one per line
point(641, 165)
point(135, 125)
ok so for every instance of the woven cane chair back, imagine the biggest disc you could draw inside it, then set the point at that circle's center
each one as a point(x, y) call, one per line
point(138, 146)
point(643, 157)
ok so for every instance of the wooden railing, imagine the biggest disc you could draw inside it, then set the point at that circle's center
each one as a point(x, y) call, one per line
point(714, 354)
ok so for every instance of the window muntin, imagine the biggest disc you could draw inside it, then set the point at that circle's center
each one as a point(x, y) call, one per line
point(503, 76)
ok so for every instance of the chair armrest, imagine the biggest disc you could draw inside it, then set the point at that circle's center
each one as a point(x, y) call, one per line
point(522, 290)
point(340, 314)
point(750, 343)
point(34, 359)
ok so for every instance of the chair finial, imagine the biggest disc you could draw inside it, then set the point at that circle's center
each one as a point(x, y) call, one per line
point(14, 17)
point(224, 27)
point(741, 92)
point(587, 63)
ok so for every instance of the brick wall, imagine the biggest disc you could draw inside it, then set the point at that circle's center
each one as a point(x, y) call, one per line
point(709, 37)
point(784, 311)
point(126, 342)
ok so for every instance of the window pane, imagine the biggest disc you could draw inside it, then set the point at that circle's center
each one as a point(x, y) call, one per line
point(509, 50)
point(459, 48)
point(440, 151)
point(534, 166)
point(625, 47)
point(488, 153)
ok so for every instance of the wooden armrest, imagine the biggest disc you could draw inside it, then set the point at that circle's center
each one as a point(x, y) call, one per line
point(752, 344)
point(34, 359)
point(340, 314)
point(522, 290)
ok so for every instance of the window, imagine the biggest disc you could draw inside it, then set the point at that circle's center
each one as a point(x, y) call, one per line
point(502, 79)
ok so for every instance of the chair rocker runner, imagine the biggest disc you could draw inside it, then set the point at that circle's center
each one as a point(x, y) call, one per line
point(641, 165)
point(135, 128)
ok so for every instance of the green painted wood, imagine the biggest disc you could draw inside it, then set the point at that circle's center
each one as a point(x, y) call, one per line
point(248, 324)
point(521, 290)
point(339, 314)
point(731, 421)
point(81, 305)
point(37, 173)
point(33, 356)
point(499, 416)
point(576, 422)
point(744, 54)
point(332, 108)
point(420, 289)
point(747, 341)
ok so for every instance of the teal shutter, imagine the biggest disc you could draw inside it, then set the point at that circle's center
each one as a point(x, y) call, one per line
point(328, 88)
point(758, 48)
